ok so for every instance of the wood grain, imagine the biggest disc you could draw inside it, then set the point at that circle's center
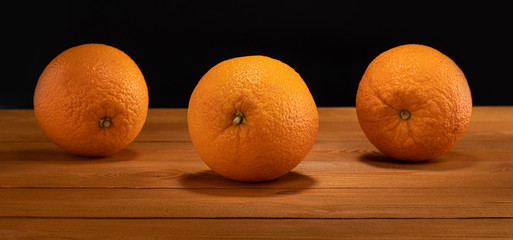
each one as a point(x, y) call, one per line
point(158, 187)
point(165, 165)
point(392, 229)
point(258, 203)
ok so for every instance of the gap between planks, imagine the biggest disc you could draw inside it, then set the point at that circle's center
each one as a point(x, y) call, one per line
point(263, 218)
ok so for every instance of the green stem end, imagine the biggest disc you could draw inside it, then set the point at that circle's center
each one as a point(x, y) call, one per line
point(405, 114)
point(105, 122)
point(239, 118)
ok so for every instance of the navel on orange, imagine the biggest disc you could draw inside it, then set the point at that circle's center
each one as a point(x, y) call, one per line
point(252, 118)
point(413, 103)
point(91, 100)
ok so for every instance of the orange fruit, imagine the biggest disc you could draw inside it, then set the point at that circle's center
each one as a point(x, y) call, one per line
point(91, 100)
point(252, 118)
point(413, 103)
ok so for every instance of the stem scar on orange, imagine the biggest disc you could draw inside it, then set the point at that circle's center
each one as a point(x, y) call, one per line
point(91, 100)
point(252, 118)
point(413, 103)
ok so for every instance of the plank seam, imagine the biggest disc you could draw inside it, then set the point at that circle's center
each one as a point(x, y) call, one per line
point(263, 218)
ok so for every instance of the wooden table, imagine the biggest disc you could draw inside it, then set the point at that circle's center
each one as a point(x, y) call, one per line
point(158, 187)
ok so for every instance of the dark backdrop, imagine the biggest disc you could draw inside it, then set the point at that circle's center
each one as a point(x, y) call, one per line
point(329, 43)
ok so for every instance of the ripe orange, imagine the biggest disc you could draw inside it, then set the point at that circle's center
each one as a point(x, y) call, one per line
point(252, 118)
point(413, 103)
point(91, 100)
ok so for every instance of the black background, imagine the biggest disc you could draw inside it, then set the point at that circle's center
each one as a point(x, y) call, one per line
point(329, 43)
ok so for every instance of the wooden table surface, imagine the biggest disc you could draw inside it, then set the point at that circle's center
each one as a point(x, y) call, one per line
point(158, 187)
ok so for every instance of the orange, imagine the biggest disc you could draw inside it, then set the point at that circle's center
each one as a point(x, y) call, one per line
point(252, 118)
point(413, 103)
point(91, 100)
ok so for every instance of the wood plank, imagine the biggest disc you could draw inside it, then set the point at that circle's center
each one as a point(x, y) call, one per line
point(165, 165)
point(329, 165)
point(258, 203)
point(159, 188)
point(256, 228)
